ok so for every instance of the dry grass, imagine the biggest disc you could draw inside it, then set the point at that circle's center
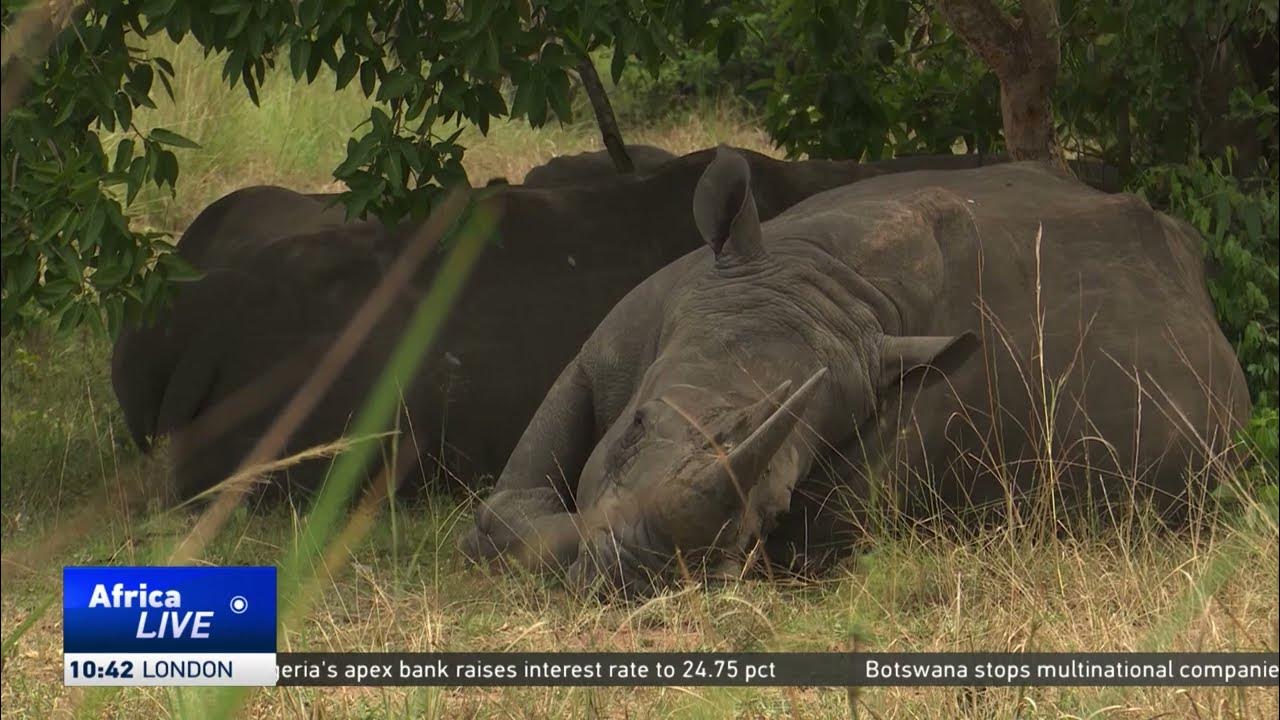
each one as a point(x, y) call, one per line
point(403, 588)
point(999, 591)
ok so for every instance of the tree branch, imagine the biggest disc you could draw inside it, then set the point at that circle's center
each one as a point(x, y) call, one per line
point(604, 116)
point(984, 28)
point(1024, 54)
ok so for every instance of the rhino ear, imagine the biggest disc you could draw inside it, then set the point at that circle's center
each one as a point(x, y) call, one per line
point(905, 357)
point(724, 209)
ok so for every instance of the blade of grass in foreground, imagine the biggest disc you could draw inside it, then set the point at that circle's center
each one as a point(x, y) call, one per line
point(38, 612)
point(331, 364)
point(214, 517)
point(297, 574)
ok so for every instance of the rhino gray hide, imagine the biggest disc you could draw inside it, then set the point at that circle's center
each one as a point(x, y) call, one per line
point(284, 272)
point(931, 340)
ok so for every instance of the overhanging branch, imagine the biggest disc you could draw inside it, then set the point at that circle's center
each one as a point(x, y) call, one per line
point(604, 116)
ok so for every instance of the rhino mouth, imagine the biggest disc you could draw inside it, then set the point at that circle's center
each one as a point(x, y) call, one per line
point(610, 565)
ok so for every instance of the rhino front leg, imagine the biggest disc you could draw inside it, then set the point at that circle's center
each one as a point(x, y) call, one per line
point(531, 515)
point(524, 526)
point(558, 440)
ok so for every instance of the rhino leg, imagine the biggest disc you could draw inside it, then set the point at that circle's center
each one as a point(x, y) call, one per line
point(185, 396)
point(138, 376)
point(531, 515)
point(527, 526)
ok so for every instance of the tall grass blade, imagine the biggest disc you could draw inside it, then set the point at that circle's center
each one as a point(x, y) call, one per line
point(297, 573)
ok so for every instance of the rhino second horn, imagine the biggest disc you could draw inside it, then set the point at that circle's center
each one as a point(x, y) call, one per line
point(760, 411)
point(746, 463)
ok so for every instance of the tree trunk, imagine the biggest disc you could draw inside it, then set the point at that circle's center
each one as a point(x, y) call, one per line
point(1028, 118)
point(604, 116)
point(1024, 54)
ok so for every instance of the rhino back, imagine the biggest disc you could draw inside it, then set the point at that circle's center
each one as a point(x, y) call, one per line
point(593, 166)
point(1097, 328)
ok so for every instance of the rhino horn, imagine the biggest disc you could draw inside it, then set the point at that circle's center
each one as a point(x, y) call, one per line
point(762, 409)
point(736, 475)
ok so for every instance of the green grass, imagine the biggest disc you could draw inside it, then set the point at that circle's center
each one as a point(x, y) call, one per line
point(67, 463)
point(62, 432)
point(295, 138)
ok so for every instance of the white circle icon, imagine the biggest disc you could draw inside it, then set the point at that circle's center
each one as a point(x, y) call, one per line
point(239, 604)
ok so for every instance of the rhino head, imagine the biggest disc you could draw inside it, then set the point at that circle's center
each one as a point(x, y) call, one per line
point(763, 356)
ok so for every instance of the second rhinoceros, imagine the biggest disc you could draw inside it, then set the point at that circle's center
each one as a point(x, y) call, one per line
point(284, 273)
point(942, 339)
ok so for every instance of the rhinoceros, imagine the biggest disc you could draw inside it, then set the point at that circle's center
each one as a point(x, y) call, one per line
point(919, 341)
point(284, 272)
point(594, 165)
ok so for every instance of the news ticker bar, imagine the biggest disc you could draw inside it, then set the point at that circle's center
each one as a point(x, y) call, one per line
point(666, 669)
point(779, 669)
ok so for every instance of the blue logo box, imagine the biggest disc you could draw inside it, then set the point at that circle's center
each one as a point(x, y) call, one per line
point(169, 609)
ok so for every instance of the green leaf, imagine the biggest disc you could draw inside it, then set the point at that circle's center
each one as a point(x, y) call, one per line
point(368, 77)
point(172, 139)
point(111, 275)
point(57, 225)
point(299, 52)
point(124, 111)
point(558, 96)
point(177, 269)
point(619, 61)
point(1252, 222)
point(1224, 216)
point(347, 68)
point(250, 85)
point(309, 12)
point(728, 43)
point(226, 7)
point(168, 86)
point(166, 169)
point(395, 85)
point(491, 100)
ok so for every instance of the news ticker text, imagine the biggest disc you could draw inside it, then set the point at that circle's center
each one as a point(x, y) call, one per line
point(200, 625)
point(540, 669)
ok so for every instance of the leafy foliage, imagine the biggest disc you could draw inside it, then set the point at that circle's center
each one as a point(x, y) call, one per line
point(875, 78)
point(1146, 82)
point(69, 251)
point(1240, 225)
point(67, 247)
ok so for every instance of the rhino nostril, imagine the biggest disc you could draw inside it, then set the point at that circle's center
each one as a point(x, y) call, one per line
point(598, 568)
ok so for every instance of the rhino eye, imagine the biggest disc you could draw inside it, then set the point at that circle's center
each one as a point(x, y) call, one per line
point(635, 431)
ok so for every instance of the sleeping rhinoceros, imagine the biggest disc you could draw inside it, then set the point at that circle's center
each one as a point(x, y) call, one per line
point(930, 340)
point(284, 273)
